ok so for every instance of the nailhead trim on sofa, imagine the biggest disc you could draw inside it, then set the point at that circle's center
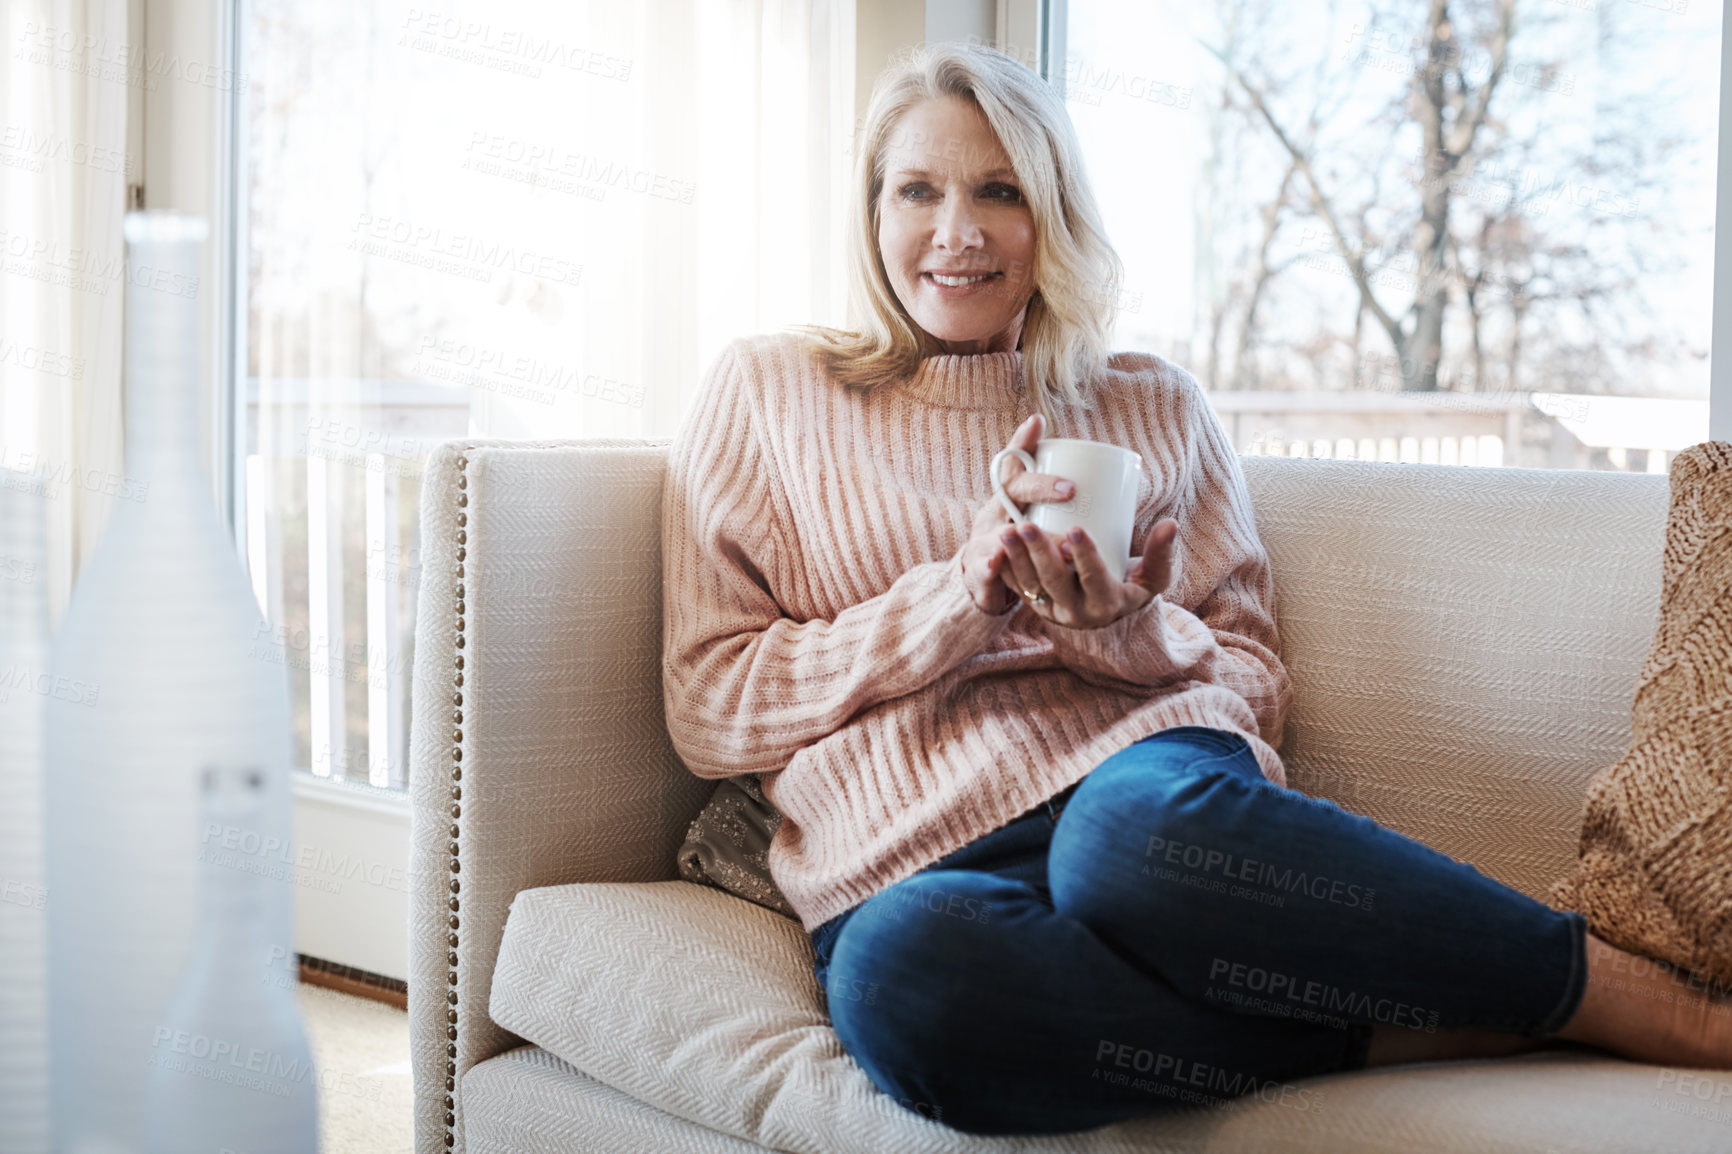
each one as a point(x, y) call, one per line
point(456, 813)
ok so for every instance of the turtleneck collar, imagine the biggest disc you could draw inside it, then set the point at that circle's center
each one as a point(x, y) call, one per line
point(971, 381)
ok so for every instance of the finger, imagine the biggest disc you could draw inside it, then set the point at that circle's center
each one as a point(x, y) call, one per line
point(1024, 491)
point(997, 570)
point(1155, 572)
point(1047, 488)
point(1026, 437)
point(1021, 570)
point(1028, 434)
point(1099, 587)
point(1154, 569)
point(1010, 478)
point(1022, 486)
point(1051, 570)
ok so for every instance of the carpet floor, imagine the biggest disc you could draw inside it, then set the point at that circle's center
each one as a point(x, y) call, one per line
point(361, 1058)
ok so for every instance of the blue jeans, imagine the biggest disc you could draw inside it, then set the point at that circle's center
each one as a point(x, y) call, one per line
point(1176, 930)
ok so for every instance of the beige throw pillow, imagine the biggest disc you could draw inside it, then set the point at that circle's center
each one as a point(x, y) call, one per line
point(1655, 874)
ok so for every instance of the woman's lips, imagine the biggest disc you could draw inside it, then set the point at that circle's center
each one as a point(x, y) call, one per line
point(962, 290)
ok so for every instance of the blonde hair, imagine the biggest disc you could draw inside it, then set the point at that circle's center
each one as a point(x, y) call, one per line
point(1077, 274)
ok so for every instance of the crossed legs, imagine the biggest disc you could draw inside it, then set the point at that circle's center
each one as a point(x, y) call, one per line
point(1188, 932)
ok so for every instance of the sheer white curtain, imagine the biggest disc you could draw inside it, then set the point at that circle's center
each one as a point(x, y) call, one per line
point(522, 219)
point(528, 220)
point(63, 172)
point(666, 175)
point(750, 106)
point(64, 88)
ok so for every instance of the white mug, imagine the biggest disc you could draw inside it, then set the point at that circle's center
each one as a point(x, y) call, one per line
point(1105, 501)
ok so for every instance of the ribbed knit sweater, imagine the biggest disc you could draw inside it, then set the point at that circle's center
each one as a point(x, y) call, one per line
point(817, 631)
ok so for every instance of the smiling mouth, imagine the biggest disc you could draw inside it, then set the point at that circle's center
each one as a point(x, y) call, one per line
point(959, 281)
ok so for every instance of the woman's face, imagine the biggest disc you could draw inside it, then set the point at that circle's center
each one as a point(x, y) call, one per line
point(953, 207)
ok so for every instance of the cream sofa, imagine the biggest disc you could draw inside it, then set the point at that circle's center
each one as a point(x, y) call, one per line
point(1464, 645)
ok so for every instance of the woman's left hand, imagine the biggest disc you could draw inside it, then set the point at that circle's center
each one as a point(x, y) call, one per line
point(1085, 595)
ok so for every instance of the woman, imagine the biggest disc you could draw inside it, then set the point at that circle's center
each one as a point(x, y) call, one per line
point(1033, 817)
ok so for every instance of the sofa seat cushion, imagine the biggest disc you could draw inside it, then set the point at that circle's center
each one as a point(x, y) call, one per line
point(528, 1100)
point(703, 1005)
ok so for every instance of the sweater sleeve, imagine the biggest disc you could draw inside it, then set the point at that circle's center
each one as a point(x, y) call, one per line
point(745, 687)
point(1216, 622)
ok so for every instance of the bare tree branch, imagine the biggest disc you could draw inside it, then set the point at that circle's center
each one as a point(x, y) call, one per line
point(1261, 277)
point(1319, 199)
point(1468, 127)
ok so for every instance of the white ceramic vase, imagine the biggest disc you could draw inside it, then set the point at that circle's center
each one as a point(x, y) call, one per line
point(153, 685)
point(23, 896)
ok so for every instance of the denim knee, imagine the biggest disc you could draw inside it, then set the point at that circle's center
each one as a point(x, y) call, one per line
point(892, 981)
point(1175, 780)
point(1134, 813)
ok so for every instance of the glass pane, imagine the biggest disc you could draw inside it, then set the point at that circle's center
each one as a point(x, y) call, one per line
point(1409, 228)
point(402, 290)
point(487, 223)
point(336, 433)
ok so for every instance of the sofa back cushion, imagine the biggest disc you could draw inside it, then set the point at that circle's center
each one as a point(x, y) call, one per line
point(1464, 643)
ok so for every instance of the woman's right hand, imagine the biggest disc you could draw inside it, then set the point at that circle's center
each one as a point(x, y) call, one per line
point(985, 564)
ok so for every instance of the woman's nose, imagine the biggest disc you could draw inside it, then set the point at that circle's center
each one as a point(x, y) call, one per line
point(956, 227)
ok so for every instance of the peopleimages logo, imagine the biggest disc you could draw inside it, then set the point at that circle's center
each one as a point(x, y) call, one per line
point(45, 259)
point(240, 848)
point(40, 681)
point(1278, 987)
point(505, 48)
point(504, 370)
point(79, 52)
point(219, 1060)
point(31, 148)
point(1170, 1075)
point(461, 254)
point(46, 474)
point(34, 359)
point(1254, 872)
point(551, 159)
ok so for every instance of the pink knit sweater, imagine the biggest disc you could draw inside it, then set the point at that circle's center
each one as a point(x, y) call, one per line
point(817, 631)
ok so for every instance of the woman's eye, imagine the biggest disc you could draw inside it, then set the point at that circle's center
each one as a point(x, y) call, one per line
point(920, 190)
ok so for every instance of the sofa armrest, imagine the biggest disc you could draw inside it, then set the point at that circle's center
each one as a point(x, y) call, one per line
point(537, 748)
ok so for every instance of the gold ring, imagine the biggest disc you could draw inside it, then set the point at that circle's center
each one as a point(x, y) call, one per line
point(1034, 596)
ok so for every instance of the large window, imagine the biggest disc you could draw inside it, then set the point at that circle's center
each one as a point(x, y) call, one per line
point(1477, 232)
point(519, 220)
point(1474, 233)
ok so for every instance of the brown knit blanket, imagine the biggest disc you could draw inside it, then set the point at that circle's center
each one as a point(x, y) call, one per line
point(1655, 875)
